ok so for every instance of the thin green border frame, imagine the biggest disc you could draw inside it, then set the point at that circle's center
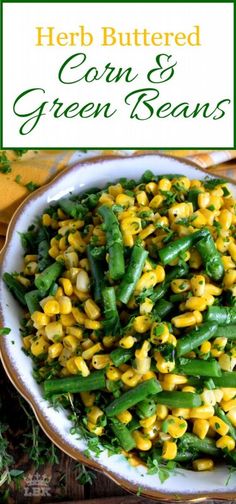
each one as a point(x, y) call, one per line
point(117, 1)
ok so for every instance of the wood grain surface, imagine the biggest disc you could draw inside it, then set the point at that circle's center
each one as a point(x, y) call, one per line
point(63, 485)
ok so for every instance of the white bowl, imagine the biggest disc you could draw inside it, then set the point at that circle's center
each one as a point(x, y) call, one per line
point(185, 484)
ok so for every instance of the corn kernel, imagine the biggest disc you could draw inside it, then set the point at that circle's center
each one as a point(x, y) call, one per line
point(164, 184)
point(198, 285)
point(228, 263)
point(156, 201)
point(67, 286)
point(146, 307)
point(87, 398)
point(125, 417)
point(227, 362)
point(231, 415)
point(195, 303)
point(142, 198)
point(204, 412)
point(142, 443)
point(148, 422)
point(113, 373)
point(180, 285)
point(54, 331)
point(46, 220)
point(31, 268)
point(100, 361)
point(124, 200)
point(169, 450)
point(208, 397)
point(226, 443)
point(39, 347)
point(185, 320)
point(142, 324)
point(228, 393)
point(71, 259)
point(67, 320)
point(40, 319)
point(95, 429)
point(82, 281)
point(218, 425)
point(213, 290)
point(228, 405)
point(232, 251)
point(180, 211)
point(205, 347)
point(130, 377)
point(203, 464)
point(217, 346)
point(229, 278)
point(163, 365)
point(81, 365)
point(147, 231)
point(70, 342)
point(71, 367)
point(176, 426)
point(95, 414)
point(90, 352)
point(181, 412)
point(195, 259)
point(27, 340)
point(159, 333)
point(161, 411)
point(65, 305)
point(79, 316)
point(55, 350)
point(91, 309)
point(200, 428)
point(94, 325)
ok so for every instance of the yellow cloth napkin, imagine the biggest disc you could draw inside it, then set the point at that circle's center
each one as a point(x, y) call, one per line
point(41, 166)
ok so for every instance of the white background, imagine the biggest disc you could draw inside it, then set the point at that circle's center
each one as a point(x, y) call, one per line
point(202, 74)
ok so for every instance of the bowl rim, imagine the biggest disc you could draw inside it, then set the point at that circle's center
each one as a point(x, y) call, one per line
point(26, 394)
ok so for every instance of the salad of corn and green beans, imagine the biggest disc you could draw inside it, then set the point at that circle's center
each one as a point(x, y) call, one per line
point(130, 316)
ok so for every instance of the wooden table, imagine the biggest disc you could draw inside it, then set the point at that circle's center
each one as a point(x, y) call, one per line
point(63, 486)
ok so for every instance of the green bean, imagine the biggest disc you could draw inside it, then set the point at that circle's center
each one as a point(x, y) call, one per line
point(184, 456)
point(193, 197)
point(45, 279)
point(114, 243)
point(146, 408)
point(195, 337)
point(74, 384)
point(222, 315)
point(178, 399)
point(199, 367)
point(211, 258)
point(32, 299)
point(162, 308)
point(112, 320)
point(120, 356)
point(192, 442)
point(15, 288)
point(227, 380)
point(221, 414)
point(123, 435)
point(44, 260)
point(97, 274)
point(133, 396)
point(132, 274)
point(176, 272)
point(73, 208)
point(173, 249)
point(228, 331)
point(178, 298)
